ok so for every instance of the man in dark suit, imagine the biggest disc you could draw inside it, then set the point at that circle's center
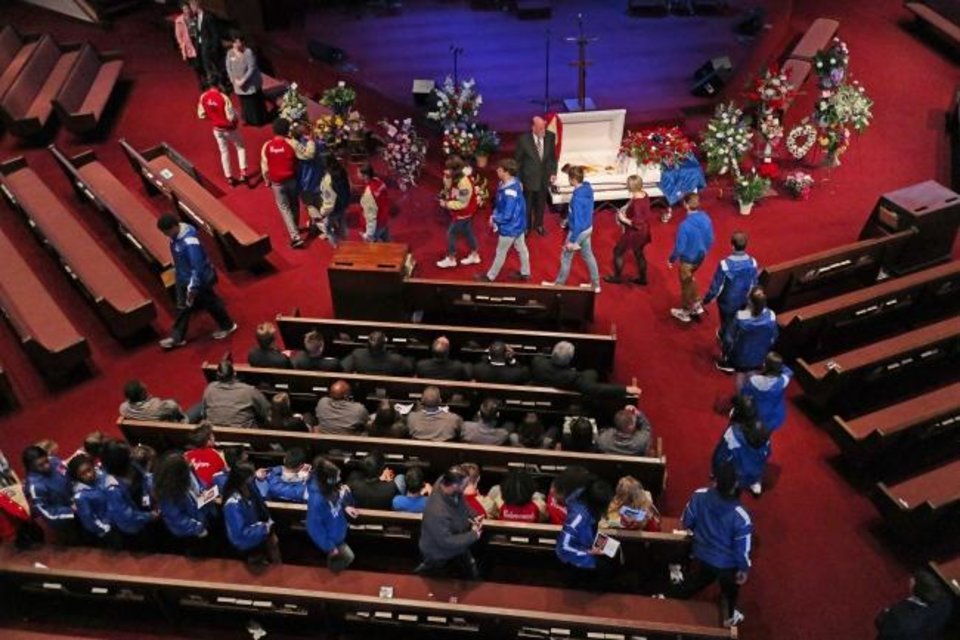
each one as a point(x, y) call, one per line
point(210, 43)
point(556, 370)
point(536, 156)
point(500, 367)
point(439, 366)
point(374, 359)
point(924, 614)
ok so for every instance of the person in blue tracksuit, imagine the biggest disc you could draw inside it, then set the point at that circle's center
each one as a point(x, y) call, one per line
point(90, 499)
point(768, 388)
point(751, 336)
point(694, 240)
point(735, 276)
point(195, 279)
point(585, 565)
point(745, 444)
point(49, 492)
point(286, 482)
point(329, 503)
point(509, 220)
point(128, 488)
point(579, 231)
point(722, 532)
point(246, 519)
point(178, 491)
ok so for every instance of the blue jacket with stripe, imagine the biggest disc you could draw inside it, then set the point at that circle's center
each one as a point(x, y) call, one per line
point(735, 276)
point(721, 530)
point(193, 268)
point(51, 495)
point(510, 209)
point(576, 538)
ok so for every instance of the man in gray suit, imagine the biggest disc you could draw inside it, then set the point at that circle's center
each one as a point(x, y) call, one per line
point(536, 156)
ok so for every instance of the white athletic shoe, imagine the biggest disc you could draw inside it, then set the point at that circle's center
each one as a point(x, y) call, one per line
point(548, 283)
point(681, 314)
point(221, 334)
point(473, 258)
point(676, 574)
point(447, 263)
point(756, 489)
point(734, 620)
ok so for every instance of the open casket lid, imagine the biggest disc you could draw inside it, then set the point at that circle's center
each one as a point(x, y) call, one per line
point(591, 134)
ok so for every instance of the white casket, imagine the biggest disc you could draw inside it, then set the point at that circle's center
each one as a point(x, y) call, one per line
point(592, 140)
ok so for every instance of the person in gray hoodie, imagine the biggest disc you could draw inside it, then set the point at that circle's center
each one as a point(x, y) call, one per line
point(448, 529)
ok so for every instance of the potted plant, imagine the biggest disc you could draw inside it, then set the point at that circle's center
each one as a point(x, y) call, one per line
point(488, 143)
point(339, 98)
point(799, 184)
point(750, 188)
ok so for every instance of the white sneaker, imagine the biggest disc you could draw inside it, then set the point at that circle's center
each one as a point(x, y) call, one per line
point(473, 258)
point(220, 334)
point(447, 263)
point(756, 489)
point(676, 574)
point(734, 620)
point(548, 283)
point(588, 285)
point(681, 314)
point(698, 309)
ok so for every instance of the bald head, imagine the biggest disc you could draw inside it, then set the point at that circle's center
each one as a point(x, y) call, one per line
point(538, 125)
point(339, 390)
point(440, 348)
point(430, 398)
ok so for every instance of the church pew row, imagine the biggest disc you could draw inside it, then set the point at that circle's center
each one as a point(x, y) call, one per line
point(816, 39)
point(818, 276)
point(848, 376)
point(47, 335)
point(917, 506)
point(942, 25)
point(498, 303)
point(467, 343)
point(137, 224)
point(925, 421)
point(27, 105)
point(163, 169)
point(896, 303)
point(949, 572)
point(122, 306)
point(8, 401)
point(15, 50)
point(85, 92)
point(316, 596)
point(436, 456)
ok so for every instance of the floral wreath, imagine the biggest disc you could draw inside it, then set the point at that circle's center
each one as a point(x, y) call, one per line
point(801, 139)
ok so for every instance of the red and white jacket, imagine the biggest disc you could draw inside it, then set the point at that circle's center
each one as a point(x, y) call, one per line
point(278, 160)
point(217, 108)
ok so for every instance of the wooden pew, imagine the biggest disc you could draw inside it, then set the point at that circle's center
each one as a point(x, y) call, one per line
point(8, 401)
point(915, 507)
point(15, 50)
point(860, 315)
point(816, 39)
point(925, 420)
point(498, 303)
point(949, 30)
point(26, 107)
point(466, 342)
point(47, 335)
point(851, 373)
point(118, 301)
point(82, 99)
point(817, 276)
point(797, 73)
point(949, 572)
point(92, 181)
point(427, 607)
point(163, 169)
point(438, 456)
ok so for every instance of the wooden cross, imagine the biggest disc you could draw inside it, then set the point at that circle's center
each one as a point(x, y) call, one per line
point(582, 102)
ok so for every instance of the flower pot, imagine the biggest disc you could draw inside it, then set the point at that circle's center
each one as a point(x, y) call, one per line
point(482, 160)
point(745, 208)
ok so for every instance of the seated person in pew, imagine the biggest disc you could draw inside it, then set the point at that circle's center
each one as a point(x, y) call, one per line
point(266, 354)
point(188, 511)
point(569, 480)
point(205, 459)
point(439, 365)
point(532, 434)
point(448, 529)
point(480, 504)
point(433, 422)
point(281, 415)
point(338, 414)
point(632, 507)
point(138, 404)
point(92, 447)
point(15, 523)
point(286, 482)
point(247, 522)
point(414, 499)
point(924, 614)
point(751, 336)
point(374, 359)
point(312, 358)
point(229, 402)
point(556, 370)
point(745, 445)
point(500, 366)
point(630, 436)
point(90, 502)
point(486, 429)
point(768, 388)
point(585, 566)
point(579, 434)
point(517, 498)
point(373, 484)
point(49, 492)
point(329, 504)
point(128, 486)
point(721, 542)
point(386, 422)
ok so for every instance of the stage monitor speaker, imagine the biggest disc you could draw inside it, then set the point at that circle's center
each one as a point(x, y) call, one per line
point(710, 78)
point(325, 52)
point(752, 23)
point(421, 91)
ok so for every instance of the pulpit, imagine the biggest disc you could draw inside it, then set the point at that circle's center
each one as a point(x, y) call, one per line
point(366, 280)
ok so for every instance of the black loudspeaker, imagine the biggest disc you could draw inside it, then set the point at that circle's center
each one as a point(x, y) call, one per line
point(752, 23)
point(710, 78)
point(325, 52)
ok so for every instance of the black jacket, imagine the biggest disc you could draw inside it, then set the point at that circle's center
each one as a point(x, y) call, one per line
point(371, 493)
point(442, 369)
point(544, 372)
point(384, 364)
point(500, 374)
point(268, 358)
point(303, 360)
point(914, 619)
point(533, 172)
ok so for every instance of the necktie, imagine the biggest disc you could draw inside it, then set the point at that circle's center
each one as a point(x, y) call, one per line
point(539, 142)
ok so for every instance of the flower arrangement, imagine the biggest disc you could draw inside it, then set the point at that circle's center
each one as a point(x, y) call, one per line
point(771, 129)
point(459, 138)
point(337, 130)
point(293, 106)
point(798, 184)
point(481, 187)
point(851, 106)
point(339, 98)
point(773, 89)
point(834, 140)
point(405, 151)
point(751, 187)
point(801, 139)
point(488, 142)
point(830, 65)
point(726, 139)
point(456, 104)
point(662, 145)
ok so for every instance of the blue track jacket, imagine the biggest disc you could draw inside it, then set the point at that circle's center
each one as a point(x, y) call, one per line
point(91, 501)
point(770, 396)
point(183, 517)
point(579, 531)
point(751, 338)
point(51, 495)
point(694, 238)
point(735, 276)
point(122, 511)
point(275, 487)
point(748, 461)
point(190, 261)
point(326, 520)
point(241, 517)
point(721, 530)
point(510, 209)
point(580, 217)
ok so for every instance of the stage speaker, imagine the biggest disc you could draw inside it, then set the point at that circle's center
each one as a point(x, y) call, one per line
point(752, 23)
point(710, 78)
point(421, 91)
point(325, 52)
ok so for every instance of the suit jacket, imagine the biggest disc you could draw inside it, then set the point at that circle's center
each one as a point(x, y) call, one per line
point(211, 36)
point(500, 374)
point(913, 619)
point(384, 364)
point(544, 372)
point(442, 369)
point(535, 173)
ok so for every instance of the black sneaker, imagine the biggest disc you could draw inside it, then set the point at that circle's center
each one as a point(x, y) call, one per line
point(613, 279)
point(482, 277)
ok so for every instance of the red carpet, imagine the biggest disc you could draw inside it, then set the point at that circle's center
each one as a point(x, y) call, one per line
point(820, 569)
